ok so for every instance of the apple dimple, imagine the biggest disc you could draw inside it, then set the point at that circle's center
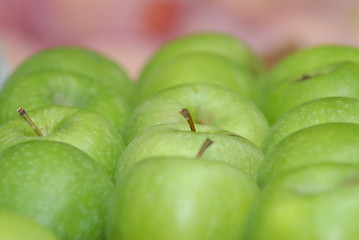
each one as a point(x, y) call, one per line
point(321, 71)
point(62, 100)
point(303, 78)
point(85, 130)
point(353, 181)
point(43, 88)
point(349, 182)
point(205, 118)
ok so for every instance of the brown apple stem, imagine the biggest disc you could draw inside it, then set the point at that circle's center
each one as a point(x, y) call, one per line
point(24, 115)
point(204, 146)
point(185, 113)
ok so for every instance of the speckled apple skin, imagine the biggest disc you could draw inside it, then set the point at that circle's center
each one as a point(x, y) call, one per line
point(324, 143)
point(57, 185)
point(83, 129)
point(322, 110)
point(316, 202)
point(180, 199)
point(208, 104)
point(175, 139)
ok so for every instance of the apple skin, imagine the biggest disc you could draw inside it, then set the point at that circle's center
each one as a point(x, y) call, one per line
point(319, 71)
point(217, 43)
point(317, 202)
point(208, 104)
point(322, 110)
point(322, 143)
point(200, 67)
point(83, 129)
point(83, 61)
point(175, 139)
point(57, 185)
point(341, 80)
point(180, 198)
point(53, 87)
point(14, 226)
point(307, 61)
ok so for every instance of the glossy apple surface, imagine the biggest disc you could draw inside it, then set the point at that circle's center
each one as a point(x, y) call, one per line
point(176, 139)
point(316, 202)
point(208, 104)
point(323, 143)
point(83, 61)
point(312, 61)
point(212, 42)
point(83, 129)
point(324, 71)
point(180, 198)
point(14, 226)
point(322, 110)
point(200, 67)
point(53, 87)
point(57, 185)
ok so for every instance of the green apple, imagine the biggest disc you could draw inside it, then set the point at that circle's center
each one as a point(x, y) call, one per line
point(308, 62)
point(53, 87)
point(322, 110)
point(57, 185)
point(83, 61)
point(176, 139)
point(212, 42)
point(200, 67)
point(14, 226)
point(323, 143)
point(180, 199)
point(209, 104)
point(320, 71)
point(316, 202)
point(83, 129)
point(341, 79)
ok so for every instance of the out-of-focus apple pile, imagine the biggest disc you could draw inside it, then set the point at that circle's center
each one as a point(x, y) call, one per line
point(255, 155)
point(129, 31)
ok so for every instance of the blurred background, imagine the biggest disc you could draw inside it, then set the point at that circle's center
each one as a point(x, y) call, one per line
point(129, 31)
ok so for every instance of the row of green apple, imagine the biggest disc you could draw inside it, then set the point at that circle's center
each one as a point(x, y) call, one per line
point(117, 161)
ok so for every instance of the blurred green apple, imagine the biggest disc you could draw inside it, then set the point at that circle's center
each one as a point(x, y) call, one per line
point(83, 129)
point(83, 61)
point(209, 104)
point(315, 60)
point(323, 143)
point(57, 185)
point(14, 226)
point(200, 67)
point(53, 87)
point(308, 74)
point(180, 199)
point(316, 202)
point(322, 110)
point(217, 43)
point(176, 139)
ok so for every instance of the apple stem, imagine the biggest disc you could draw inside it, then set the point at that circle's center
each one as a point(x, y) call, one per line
point(185, 113)
point(24, 115)
point(204, 146)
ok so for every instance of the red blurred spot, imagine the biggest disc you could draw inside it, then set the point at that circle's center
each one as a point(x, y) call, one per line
point(161, 17)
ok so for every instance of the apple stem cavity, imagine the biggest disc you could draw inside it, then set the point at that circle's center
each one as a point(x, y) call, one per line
point(185, 113)
point(204, 147)
point(24, 115)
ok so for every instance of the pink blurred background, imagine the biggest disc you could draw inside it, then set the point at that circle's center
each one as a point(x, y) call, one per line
point(129, 31)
